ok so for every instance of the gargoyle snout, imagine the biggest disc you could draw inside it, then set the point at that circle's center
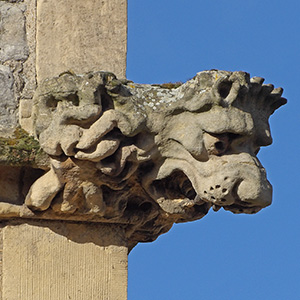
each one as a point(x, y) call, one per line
point(251, 191)
point(254, 189)
point(237, 183)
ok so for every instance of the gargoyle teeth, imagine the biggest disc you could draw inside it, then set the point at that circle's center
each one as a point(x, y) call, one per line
point(216, 207)
point(187, 189)
point(198, 200)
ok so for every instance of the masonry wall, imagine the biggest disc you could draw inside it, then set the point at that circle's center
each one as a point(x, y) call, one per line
point(42, 38)
point(17, 60)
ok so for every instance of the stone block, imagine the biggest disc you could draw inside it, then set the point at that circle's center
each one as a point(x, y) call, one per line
point(25, 108)
point(8, 103)
point(13, 44)
point(29, 66)
point(52, 260)
point(81, 36)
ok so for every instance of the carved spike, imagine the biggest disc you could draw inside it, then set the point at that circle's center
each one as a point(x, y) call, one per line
point(277, 104)
point(277, 91)
point(258, 80)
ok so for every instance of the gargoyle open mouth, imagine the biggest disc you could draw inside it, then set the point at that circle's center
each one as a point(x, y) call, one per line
point(178, 186)
point(176, 195)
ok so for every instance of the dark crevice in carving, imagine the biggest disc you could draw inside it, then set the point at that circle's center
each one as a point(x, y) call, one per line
point(73, 98)
point(224, 88)
point(51, 102)
point(175, 186)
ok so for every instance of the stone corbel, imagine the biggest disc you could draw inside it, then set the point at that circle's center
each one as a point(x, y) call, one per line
point(148, 156)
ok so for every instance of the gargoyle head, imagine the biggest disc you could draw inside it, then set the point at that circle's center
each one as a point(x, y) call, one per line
point(211, 131)
point(152, 155)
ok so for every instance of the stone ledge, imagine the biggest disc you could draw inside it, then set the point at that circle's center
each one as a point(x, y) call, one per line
point(60, 260)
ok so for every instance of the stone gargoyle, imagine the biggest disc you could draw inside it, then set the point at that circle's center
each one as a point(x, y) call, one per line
point(147, 156)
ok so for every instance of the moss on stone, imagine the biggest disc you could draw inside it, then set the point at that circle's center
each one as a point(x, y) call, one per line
point(21, 150)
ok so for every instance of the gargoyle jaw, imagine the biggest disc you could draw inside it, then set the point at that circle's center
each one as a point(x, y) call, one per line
point(252, 194)
point(239, 186)
point(249, 206)
point(247, 191)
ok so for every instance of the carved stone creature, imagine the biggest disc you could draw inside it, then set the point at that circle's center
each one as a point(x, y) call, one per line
point(147, 156)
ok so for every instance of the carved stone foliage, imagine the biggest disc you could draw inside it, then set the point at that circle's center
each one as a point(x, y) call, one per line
point(147, 156)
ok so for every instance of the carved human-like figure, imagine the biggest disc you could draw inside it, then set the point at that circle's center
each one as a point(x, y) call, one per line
point(148, 156)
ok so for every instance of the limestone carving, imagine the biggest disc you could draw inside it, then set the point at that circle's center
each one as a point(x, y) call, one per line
point(147, 156)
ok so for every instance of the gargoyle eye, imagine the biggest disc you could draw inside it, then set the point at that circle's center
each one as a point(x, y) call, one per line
point(219, 144)
point(216, 144)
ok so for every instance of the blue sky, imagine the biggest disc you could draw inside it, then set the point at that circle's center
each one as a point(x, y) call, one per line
point(225, 256)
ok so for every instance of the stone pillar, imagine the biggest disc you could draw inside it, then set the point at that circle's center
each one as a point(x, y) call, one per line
point(55, 260)
point(52, 259)
point(81, 36)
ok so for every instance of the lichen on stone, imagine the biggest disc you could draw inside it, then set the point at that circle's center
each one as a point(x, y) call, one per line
point(21, 150)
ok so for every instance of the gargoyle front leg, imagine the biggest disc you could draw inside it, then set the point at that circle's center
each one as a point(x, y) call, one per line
point(43, 191)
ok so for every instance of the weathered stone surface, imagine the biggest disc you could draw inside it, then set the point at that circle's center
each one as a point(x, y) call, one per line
point(147, 156)
point(29, 66)
point(13, 44)
point(8, 103)
point(52, 260)
point(25, 110)
point(81, 36)
point(17, 54)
